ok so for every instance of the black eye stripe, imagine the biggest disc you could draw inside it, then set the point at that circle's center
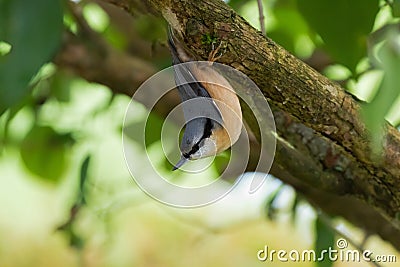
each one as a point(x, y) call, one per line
point(206, 133)
point(207, 129)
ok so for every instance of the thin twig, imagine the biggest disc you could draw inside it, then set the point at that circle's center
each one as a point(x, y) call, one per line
point(261, 17)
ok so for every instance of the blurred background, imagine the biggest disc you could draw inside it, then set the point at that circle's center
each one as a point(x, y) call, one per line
point(67, 197)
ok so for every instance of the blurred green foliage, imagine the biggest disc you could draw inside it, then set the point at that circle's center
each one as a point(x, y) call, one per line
point(343, 26)
point(96, 17)
point(324, 239)
point(287, 27)
point(395, 4)
point(374, 112)
point(45, 152)
point(60, 85)
point(33, 29)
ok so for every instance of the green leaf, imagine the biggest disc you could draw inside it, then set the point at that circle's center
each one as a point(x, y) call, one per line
point(33, 29)
point(396, 8)
point(45, 153)
point(374, 112)
point(343, 26)
point(82, 181)
point(269, 204)
point(290, 28)
point(296, 203)
point(84, 171)
point(96, 17)
point(60, 84)
point(324, 238)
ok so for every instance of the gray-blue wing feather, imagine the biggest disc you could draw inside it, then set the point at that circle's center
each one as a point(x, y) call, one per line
point(189, 87)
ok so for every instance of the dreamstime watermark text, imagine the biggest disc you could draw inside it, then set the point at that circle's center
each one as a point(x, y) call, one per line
point(340, 254)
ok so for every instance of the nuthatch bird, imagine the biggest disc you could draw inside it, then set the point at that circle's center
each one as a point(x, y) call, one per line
point(204, 136)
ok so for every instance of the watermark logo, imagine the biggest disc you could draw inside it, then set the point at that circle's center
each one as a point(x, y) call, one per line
point(342, 253)
point(156, 183)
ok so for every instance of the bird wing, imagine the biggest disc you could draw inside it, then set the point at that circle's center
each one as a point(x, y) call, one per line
point(188, 86)
point(190, 89)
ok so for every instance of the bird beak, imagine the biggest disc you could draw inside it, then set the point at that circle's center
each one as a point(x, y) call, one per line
point(180, 163)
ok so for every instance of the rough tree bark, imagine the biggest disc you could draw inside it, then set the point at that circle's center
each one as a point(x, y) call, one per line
point(331, 165)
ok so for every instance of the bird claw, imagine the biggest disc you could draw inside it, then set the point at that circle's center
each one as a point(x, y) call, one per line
point(214, 51)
